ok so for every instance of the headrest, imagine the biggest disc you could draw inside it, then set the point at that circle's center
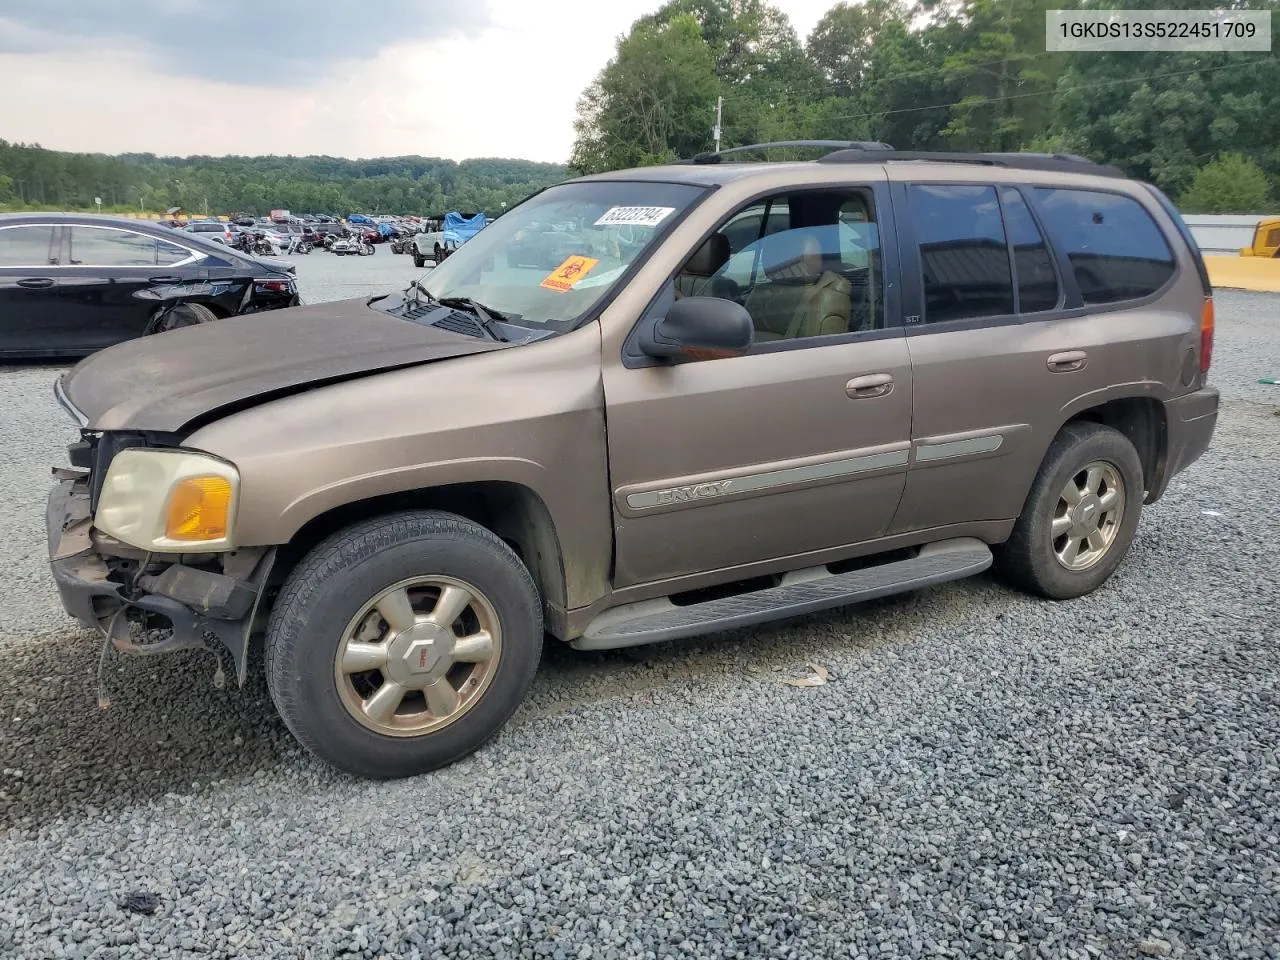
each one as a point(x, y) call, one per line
point(798, 254)
point(710, 257)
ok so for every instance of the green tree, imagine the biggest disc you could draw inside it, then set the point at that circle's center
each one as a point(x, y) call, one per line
point(1232, 183)
point(420, 185)
point(652, 103)
point(842, 44)
point(1001, 75)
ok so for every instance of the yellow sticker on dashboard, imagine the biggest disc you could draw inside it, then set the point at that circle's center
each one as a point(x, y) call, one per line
point(563, 277)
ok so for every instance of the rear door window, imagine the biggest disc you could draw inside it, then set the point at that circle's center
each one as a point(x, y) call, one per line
point(964, 258)
point(1032, 265)
point(1115, 248)
point(27, 246)
point(100, 247)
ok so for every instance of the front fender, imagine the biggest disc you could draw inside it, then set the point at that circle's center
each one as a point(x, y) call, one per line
point(531, 416)
point(422, 476)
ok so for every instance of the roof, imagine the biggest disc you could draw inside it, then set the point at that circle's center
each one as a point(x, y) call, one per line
point(701, 175)
point(149, 227)
point(719, 169)
point(89, 218)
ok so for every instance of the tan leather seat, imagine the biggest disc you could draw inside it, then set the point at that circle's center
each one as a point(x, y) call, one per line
point(800, 298)
point(696, 278)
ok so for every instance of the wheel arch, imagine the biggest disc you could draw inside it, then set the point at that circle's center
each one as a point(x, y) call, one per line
point(1143, 421)
point(513, 511)
point(1139, 414)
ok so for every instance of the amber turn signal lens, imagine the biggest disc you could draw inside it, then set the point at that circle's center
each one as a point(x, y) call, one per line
point(1206, 335)
point(198, 509)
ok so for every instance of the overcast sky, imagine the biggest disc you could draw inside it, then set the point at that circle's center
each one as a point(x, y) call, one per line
point(352, 78)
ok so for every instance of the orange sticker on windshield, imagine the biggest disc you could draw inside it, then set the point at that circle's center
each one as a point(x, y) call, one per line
point(563, 277)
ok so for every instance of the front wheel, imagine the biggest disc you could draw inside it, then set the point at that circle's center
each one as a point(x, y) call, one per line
point(403, 643)
point(1080, 517)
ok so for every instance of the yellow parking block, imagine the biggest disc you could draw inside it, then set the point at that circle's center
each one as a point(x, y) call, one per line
point(1244, 273)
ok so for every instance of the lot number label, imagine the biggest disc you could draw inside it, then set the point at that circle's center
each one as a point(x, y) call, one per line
point(634, 216)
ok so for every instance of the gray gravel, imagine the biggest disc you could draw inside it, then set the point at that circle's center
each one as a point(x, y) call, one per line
point(984, 774)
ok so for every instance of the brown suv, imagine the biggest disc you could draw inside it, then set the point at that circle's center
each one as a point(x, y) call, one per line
point(640, 406)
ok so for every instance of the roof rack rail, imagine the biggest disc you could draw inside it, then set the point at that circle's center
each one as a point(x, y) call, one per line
point(1059, 162)
point(828, 145)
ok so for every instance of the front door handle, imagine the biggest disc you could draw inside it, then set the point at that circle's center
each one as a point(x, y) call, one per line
point(35, 283)
point(1067, 361)
point(872, 385)
point(163, 280)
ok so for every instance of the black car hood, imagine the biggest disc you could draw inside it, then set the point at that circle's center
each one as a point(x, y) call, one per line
point(169, 381)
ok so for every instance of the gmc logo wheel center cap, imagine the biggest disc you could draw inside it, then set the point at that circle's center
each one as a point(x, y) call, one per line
point(1087, 513)
point(421, 648)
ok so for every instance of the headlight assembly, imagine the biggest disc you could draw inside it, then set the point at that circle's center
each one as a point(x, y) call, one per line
point(169, 501)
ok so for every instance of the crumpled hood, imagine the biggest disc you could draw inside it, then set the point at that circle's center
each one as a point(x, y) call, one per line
point(166, 381)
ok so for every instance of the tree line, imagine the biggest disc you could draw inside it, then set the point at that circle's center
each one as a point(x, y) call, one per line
point(33, 177)
point(937, 75)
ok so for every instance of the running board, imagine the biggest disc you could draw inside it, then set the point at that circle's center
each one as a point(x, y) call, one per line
point(800, 592)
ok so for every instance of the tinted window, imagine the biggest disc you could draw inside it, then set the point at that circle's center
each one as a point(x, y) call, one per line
point(963, 256)
point(1116, 250)
point(207, 228)
point(26, 246)
point(1037, 281)
point(99, 247)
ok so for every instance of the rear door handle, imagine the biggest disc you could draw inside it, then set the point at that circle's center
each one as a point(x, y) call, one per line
point(1067, 361)
point(872, 385)
point(35, 283)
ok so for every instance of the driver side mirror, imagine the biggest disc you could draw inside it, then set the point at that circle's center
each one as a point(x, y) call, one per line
point(701, 328)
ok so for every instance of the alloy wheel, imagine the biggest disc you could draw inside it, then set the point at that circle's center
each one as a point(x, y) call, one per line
point(1087, 518)
point(418, 656)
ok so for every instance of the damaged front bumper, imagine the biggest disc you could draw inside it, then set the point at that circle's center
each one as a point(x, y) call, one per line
point(203, 607)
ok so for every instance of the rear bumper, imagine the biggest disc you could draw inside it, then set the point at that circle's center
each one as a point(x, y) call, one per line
point(1189, 424)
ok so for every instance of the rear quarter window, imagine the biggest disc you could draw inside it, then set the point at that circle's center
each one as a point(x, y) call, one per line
point(1115, 248)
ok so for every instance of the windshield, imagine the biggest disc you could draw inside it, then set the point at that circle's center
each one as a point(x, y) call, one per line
point(548, 261)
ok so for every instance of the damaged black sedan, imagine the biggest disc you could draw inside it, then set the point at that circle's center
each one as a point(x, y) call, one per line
point(71, 285)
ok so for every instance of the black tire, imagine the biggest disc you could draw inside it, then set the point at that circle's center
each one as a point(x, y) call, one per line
point(185, 315)
point(1027, 559)
point(439, 254)
point(419, 260)
point(329, 587)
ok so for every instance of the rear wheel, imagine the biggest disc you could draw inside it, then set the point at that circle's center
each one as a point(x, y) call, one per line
point(403, 643)
point(1080, 517)
point(185, 315)
point(419, 260)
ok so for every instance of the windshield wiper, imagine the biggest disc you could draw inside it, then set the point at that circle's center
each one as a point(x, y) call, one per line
point(484, 314)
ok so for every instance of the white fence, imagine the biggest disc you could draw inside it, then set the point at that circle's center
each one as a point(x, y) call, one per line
point(1223, 233)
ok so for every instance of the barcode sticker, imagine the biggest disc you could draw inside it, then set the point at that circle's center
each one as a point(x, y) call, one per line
point(634, 216)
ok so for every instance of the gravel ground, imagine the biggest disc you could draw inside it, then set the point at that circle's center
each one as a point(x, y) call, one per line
point(984, 774)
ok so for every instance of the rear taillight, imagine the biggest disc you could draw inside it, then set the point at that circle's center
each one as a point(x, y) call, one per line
point(274, 286)
point(1206, 335)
